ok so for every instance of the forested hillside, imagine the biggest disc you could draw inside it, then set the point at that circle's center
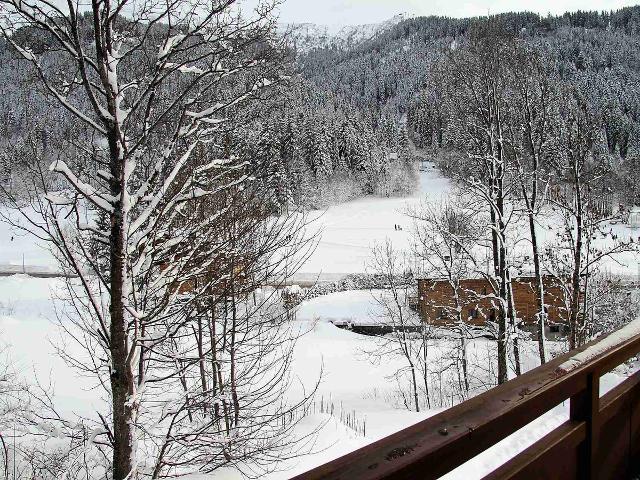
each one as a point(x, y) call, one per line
point(398, 74)
point(323, 150)
point(341, 125)
point(340, 128)
point(320, 148)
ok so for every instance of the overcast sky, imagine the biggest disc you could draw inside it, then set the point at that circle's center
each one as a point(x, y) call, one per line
point(356, 12)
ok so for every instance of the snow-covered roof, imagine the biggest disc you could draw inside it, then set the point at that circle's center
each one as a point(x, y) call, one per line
point(519, 276)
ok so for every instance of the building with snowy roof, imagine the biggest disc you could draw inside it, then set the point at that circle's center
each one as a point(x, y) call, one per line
point(477, 304)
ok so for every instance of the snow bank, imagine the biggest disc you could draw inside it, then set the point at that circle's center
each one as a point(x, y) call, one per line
point(358, 307)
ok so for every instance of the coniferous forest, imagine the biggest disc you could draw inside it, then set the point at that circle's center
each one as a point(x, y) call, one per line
point(342, 126)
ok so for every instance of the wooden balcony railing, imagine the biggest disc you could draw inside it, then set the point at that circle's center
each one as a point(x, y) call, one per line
point(601, 439)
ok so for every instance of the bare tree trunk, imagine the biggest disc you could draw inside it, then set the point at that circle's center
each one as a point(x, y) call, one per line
point(539, 290)
point(215, 382)
point(415, 388)
point(532, 204)
point(574, 312)
point(514, 326)
point(140, 159)
point(501, 314)
point(534, 141)
point(462, 330)
point(232, 357)
point(425, 373)
point(508, 312)
point(122, 377)
point(463, 358)
point(201, 365)
point(502, 339)
point(405, 342)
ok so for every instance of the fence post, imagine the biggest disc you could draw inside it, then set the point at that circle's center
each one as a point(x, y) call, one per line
point(584, 406)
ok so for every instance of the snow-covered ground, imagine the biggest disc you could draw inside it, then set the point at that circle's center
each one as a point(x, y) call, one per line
point(348, 232)
point(351, 229)
point(19, 251)
point(28, 325)
point(349, 380)
point(352, 383)
point(353, 306)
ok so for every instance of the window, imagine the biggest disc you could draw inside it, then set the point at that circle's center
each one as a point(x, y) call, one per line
point(474, 313)
point(554, 328)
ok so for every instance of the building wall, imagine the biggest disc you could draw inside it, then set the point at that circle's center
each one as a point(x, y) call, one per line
point(437, 305)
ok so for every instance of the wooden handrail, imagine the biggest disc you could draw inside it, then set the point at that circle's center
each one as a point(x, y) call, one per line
point(437, 445)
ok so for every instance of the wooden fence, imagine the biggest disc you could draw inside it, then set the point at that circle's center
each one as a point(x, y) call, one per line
point(601, 439)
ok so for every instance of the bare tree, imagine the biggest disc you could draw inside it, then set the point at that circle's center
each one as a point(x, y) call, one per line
point(581, 164)
point(402, 322)
point(478, 94)
point(157, 91)
point(12, 396)
point(446, 246)
point(531, 142)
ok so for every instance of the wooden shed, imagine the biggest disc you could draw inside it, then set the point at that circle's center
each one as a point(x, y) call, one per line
point(438, 305)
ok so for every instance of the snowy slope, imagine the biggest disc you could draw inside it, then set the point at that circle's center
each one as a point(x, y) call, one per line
point(307, 36)
point(350, 230)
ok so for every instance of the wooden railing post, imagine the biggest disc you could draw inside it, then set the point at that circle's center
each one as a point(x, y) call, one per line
point(584, 407)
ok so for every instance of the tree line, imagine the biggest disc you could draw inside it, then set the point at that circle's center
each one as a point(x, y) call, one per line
point(393, 74)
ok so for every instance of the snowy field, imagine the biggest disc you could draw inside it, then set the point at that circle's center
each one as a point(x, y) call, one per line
point(350, 381)
point(348, 232)
point(19, 250)
point(351, 229)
